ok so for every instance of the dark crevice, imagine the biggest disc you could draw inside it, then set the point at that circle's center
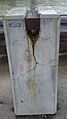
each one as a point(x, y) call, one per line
point(33, 28)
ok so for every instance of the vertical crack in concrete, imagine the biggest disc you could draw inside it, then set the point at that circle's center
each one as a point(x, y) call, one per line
point(34, 88)
point(33, 45)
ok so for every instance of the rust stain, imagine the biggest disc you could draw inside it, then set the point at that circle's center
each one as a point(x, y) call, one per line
point(32, 63)
point(34, 90)
point(34, 87)
point(32, 28)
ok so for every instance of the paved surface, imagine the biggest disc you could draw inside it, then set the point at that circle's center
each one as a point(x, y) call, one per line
point(59, 5)
point(6, 103)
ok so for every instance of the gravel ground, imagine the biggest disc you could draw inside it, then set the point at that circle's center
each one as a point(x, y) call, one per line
point(6, 103)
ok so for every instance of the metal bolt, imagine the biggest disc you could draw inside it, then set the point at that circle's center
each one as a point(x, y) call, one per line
point(33, 4)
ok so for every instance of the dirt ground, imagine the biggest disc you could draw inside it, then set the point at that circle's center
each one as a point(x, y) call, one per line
point(6, 103)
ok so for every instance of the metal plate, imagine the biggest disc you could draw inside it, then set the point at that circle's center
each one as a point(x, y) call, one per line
point(14, 24)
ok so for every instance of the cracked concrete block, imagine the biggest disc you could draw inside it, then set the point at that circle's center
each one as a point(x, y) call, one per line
point(33, 63)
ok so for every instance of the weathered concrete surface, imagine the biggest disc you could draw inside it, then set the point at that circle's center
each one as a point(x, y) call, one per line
point(6, 104)
point(33, 65)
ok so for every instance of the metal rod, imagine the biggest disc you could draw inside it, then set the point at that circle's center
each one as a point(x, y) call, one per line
point(33, 4)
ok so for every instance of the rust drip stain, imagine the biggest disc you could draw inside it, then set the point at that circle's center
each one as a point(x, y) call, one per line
point(32, 28)
point(34, 87)
point(33, 79)
point(33, 41)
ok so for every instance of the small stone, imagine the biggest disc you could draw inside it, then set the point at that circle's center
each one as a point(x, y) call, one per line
point(61, 86)
point(21, 101)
